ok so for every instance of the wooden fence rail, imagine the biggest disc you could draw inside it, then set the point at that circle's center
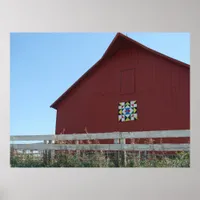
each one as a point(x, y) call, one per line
point(105, 147)
point(119, 138)
point(99, 136)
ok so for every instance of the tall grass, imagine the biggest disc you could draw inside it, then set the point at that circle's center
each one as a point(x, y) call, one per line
point(100, 158)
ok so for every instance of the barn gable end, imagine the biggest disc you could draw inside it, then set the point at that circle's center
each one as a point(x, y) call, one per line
point(120, 42)
point(131, 73)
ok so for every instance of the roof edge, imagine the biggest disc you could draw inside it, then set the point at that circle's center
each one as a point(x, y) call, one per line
point(54, 105)
point(154, 51)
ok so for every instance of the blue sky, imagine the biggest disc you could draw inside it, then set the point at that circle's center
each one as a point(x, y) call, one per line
point(44, 65)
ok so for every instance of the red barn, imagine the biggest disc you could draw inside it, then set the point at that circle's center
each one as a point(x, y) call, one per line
point(131, 88)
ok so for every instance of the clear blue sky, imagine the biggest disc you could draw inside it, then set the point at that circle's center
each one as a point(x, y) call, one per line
point(44, 65)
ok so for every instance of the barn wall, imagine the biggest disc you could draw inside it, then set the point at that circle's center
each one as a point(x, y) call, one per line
point(161, 89)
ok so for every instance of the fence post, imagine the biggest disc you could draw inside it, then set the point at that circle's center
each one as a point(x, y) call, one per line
point(45, 154)
point(31, 153)
point(145, 155)
point(116, 157)
point(51, 153)
point(106, 153)
point(77, 151)
point(123, 152)
point(139, 157)
point(23, 154)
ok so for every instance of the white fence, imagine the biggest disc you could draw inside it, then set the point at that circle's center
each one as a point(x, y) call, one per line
point(118, 137)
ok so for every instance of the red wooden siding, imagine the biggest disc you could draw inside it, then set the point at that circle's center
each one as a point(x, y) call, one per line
point(93, 104)
point(127, 82)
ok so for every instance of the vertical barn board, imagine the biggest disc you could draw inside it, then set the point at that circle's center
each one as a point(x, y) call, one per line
point(184, 97)
point(127, 82)
point(175, 84)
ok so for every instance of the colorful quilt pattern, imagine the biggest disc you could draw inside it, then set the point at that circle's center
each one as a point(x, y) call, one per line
point(127, 111)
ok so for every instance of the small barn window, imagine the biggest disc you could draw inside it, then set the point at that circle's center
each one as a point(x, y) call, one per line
point(127, 81)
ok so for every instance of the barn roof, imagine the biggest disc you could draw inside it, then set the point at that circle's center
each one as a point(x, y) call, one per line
point(117, 43)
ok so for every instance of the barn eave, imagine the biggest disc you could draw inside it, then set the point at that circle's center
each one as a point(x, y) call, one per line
point(112, 48)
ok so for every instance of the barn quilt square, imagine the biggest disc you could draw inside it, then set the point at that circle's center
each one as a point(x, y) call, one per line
point(127, 111)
